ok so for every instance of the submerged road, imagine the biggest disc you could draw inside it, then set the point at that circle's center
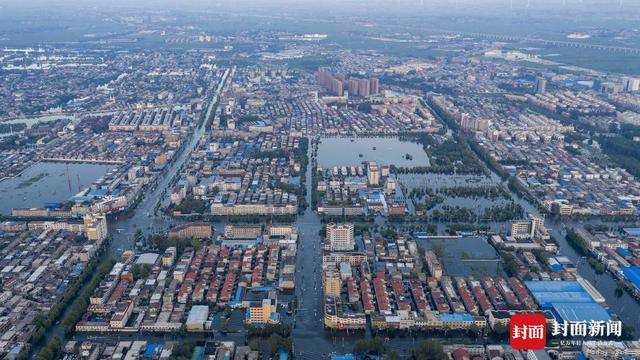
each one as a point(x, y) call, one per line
point(122, 230)
point(311, 340)
point(145, 216)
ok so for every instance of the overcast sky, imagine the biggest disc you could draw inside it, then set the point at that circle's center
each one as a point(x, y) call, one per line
point(585, 11)
point(608, 5)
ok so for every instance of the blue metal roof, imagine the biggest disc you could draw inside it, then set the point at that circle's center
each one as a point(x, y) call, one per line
point(549, 292)
point(198, 353)
point(633, 274)
point(624, 252)
point(53, 205)
point(546, 299)
point(580, 311)
point(263, 288)
point(533, 181)
point(632, 231)
point(567, 300)
point(78, 268)
point(81, 199)
point(343, 357)
point(275, 316)
point(98, 192)
point(456, 317)
point(353, 357)
point(152, 349)
point(551, 285)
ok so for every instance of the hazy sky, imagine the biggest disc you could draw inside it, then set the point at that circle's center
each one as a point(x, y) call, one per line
point(569, 15)
point(461, 5)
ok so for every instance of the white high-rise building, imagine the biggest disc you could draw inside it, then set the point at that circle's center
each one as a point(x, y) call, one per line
point(631, 84)
point(523, 229)
point(340, 237)
point(541, 85)
point(373, 173)
point(95, 227)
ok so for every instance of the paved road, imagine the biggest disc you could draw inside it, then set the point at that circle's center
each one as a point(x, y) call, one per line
point(122, 229)
point(311, 341)
point(145, 215)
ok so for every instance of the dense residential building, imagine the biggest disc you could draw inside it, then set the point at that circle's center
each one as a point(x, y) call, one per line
point(433, 264)
point(196, 230)
point(372, 179)
point(332, 283)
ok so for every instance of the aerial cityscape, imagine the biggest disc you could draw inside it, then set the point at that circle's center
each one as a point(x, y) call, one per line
point(302, 179)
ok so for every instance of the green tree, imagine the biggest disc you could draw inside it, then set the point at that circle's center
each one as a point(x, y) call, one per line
point(274, 342)
point(141, 271)
point(438, 249)
point(429, 350)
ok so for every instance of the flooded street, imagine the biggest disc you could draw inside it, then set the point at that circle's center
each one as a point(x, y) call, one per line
point(468, 256)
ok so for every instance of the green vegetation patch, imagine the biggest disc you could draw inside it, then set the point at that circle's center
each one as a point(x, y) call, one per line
point(31, 181)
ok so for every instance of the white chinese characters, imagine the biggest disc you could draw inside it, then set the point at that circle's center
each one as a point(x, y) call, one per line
point(593, 328)
point(527, 332)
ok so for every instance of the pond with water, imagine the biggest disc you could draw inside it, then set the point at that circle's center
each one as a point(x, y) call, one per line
point(47, 182)
point(466, 256)
point(343, 151)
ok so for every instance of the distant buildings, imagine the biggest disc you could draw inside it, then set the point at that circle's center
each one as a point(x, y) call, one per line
point(631, 84)
point(357, 87)
point(363, 87)
point(541, 85)
point(326, 79)
point(374, 86)
point(160, 119)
